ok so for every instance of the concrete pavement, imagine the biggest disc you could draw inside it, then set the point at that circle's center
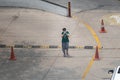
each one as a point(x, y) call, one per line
point(109, 55)
point(34, 27)
point(36, 64)
point(31, 27)
point(86, 5)
point(24, 26)
point(36, 4)
point(77, 5)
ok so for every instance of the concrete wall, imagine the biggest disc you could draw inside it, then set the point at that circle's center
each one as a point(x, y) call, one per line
point(38, 4)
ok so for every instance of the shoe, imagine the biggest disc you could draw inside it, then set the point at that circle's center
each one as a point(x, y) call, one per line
point(68, 55)
point(64, 55)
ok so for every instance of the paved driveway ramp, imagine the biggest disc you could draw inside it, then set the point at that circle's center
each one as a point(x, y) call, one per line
point(37, 4)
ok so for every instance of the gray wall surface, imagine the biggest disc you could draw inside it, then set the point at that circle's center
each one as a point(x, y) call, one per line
point(38, 4)
point(85, 5)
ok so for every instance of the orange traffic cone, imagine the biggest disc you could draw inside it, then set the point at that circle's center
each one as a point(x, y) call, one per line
point(96, 54)
point(102, 28)
point(12, 57)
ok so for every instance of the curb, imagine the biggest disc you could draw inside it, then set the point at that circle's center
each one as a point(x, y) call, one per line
point(45, 46)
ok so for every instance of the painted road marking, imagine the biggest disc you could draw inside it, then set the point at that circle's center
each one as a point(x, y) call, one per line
point(94, 35)
point(91, 30)
point(112, 19)
point(98, 44)
point(44, 46)
point(88, 68)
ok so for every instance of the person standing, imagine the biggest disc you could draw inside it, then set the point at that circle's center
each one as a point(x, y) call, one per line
point(65, 42)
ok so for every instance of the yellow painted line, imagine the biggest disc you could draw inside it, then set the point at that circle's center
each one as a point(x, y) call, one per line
point(94, 35)
point(29, 46)
point(98, 44)
point(59, 46)
point(91, 30)
point(88, 68)
point(81, 46)
point(45, 46)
